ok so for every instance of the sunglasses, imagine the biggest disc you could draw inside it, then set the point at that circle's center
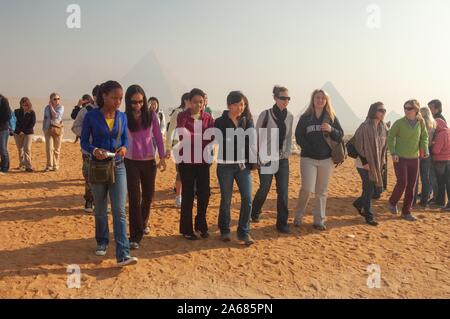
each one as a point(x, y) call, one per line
point(56, 99)
point(284, 98)
point(409, 108)
point(141, 102)
point(382, 111)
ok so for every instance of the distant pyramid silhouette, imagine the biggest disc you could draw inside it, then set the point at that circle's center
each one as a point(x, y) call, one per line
point(149, 74)
point(392, 117)
point(348, 119)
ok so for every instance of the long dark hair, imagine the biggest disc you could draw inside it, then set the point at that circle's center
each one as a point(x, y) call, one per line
point(5, 109)
point(146, 115)
point(105, 88)
point(156, 100)
point(185, 97)
point(236, 97)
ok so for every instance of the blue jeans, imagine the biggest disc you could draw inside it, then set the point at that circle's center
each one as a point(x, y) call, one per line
point(118, 195)
point(282, 182)
point(226, 175)
point(368, 190)
point(4, 156)
point(433, 180)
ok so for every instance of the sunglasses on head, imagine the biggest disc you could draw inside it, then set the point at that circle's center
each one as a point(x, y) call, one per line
point(284, 98)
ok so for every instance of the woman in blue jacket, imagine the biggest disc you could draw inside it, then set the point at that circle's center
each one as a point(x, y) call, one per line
point(105, 131)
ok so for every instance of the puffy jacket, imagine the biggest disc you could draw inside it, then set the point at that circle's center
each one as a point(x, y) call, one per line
point(441, 147)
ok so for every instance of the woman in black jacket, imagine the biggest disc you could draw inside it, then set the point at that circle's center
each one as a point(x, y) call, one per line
point(317, 126)
point(26, 120)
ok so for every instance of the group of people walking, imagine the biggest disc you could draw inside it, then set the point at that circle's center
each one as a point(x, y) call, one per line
point(122, 153)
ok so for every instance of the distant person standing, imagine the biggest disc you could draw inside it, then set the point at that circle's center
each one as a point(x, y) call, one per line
point(440, 151)
point(370, 143)
point(53, 131)
point(77, 127)
point(153, 104)
point(425, 164)
point(171, 141)
point(105, 130)
point(277, 118)
point(23, 134)
point(408, 142)
point(5, 117)
point(207, 108)
point(317, 128)
point(435, 107)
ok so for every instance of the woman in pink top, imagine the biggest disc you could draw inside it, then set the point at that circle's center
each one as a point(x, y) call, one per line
point(440, 151)
point(143, 128)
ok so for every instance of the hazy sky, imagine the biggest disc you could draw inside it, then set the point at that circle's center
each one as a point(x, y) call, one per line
point(226, 45)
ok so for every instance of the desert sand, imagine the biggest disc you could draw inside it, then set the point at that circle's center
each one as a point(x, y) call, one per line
point(44, 229)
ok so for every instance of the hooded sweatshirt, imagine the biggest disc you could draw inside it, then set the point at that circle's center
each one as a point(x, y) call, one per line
point(441, 148)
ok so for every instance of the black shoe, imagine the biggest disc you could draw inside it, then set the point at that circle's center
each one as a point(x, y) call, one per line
point(284, 230)
point(190, 237)
point(204, 235)
point(359, 209)
point(372, 222)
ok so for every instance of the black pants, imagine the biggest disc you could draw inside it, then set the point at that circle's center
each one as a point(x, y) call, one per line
point(443, 179)
point(191, 175)
point(140, 174)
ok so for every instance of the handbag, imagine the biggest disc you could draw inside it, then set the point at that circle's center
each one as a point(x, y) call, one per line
point(56, 130)
point(338, 149)
point(351, 150)
point(104, 172)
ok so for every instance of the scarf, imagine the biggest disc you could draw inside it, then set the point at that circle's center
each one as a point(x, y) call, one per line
point(280, 120)
point(370, 143)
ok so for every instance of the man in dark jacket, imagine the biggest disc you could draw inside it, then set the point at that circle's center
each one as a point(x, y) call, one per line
point(5, 117)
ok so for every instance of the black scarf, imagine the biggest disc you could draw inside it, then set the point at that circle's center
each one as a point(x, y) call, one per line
point(280, 119)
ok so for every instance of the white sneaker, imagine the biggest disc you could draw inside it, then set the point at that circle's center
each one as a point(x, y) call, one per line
point(101, 250)
point(147, 230)
point(178, 201)
point(128, 261)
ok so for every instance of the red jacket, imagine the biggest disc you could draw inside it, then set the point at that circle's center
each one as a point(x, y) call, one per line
point(441, 147)
point(186, 121)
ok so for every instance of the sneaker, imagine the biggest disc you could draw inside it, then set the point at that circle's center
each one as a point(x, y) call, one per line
point(29, 170)
point(101, 250)
point(47, 169)
point(225, 237)
point(393, 209)
point(127, 261)
point(297, 222)
point(147, 230)
point(134, 246)
point(320, 227)
point(88, 207)
point(247, 240)
point(178, 201)
point(409, 218)
point(372, 222)
point(190, 237)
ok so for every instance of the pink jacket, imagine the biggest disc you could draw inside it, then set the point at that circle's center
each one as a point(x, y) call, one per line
point(441, 147)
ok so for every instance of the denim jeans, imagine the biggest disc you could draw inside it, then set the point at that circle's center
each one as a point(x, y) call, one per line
point(226, 175)
point(4, 156)
point(433, 180)
point(368, 189)
point(282, 183)
point(425, 179)
point(443, 180)
point(118, 195)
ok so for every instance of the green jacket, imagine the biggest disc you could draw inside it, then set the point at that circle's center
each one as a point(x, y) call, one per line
point(406, 141)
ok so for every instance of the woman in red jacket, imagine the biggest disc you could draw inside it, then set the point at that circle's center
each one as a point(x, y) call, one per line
point(440, 152)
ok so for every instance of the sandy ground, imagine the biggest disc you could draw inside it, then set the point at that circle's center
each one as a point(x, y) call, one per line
point(44, 229)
